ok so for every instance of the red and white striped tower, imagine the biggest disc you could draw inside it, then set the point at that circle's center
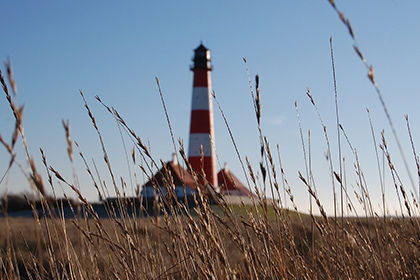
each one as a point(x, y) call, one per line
point(202, 125)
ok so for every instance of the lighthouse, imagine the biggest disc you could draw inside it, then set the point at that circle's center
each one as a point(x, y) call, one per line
point(201, 152)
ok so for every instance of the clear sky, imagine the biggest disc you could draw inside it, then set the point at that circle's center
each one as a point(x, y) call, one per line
point(115, 50)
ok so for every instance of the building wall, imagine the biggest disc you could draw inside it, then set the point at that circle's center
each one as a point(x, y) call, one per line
point(179, 191)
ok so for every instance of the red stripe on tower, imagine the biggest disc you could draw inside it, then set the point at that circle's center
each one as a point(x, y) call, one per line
point(202, 127)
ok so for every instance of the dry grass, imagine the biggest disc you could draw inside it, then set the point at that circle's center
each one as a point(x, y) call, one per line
point(181, 248)
point(263, 241)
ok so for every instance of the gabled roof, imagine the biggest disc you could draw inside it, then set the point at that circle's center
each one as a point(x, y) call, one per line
point(180, 176)
point(230, 185)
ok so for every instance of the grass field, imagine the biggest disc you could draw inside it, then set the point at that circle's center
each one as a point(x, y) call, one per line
point(236, 245)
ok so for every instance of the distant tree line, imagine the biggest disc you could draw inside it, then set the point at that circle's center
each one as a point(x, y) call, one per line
point(22, 202)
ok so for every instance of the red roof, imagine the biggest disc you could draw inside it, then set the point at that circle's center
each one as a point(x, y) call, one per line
point(230, 185)
point(180, 176)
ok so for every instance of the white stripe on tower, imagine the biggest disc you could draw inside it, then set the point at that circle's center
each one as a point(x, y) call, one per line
point(202, 128)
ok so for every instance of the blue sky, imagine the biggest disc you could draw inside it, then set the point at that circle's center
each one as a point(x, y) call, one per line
point(116, 50)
